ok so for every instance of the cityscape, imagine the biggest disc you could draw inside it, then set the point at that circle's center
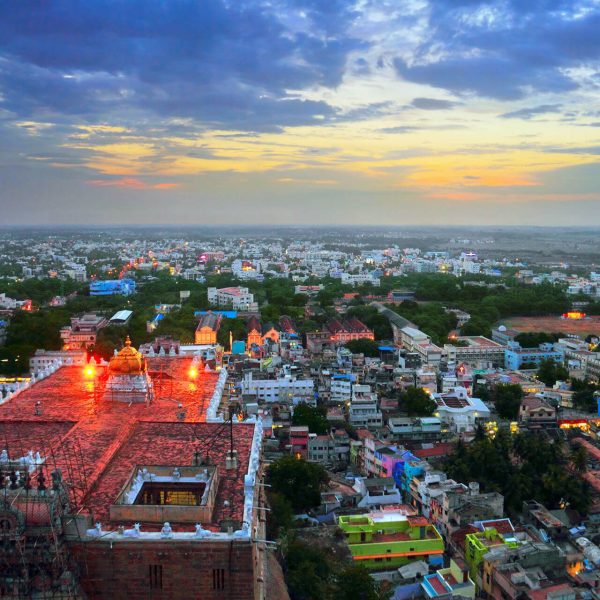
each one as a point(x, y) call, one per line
point(369, 413)
point(300, 300)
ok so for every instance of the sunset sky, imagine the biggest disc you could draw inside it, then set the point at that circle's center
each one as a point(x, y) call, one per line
point(300, 111)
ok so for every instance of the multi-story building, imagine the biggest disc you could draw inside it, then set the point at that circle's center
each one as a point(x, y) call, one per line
point(330, 449)
point(504, 335)
point(44, 358)
point(364, 408)
point(389, 539)
point(82, 332)
point(415, 429)
point(448, 583)
point(350, 329)
point(536, 413)
point(360, 278)
point(475, 351)
point(299, 438)
point(341, 388)
point(112, 287)
point(239, 298)
point(478, 544)
point(516, 357)
point(278, 389)
point(527, 572)
point(460, 505)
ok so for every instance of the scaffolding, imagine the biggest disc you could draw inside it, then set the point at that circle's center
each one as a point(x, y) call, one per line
point(34, 503)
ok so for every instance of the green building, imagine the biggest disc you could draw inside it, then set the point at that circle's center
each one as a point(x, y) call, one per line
point(390, 539)
point(480, 543)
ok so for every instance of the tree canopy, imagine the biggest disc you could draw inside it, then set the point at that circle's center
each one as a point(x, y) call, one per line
point(507, 399)
point(416, 402)
point(522, 467)
point(298, 481)
point(550, 372)
point(315, 418)
point(366, 347)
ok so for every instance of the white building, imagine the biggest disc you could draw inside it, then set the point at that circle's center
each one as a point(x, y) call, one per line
point(460, 412)
point(44, 358)
point(360, 278)
point(281, 389)
point(475, 351)
point(239, 298)
point(341, 389)
point(364, 408)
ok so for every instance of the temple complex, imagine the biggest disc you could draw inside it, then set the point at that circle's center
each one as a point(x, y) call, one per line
point(123, 481)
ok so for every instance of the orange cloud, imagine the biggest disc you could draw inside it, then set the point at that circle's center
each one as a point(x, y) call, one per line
point(132, 183)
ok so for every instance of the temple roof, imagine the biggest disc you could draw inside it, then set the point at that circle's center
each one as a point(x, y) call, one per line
point(128, 361)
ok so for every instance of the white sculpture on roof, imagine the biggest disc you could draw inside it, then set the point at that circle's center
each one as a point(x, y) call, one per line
point(166, 531)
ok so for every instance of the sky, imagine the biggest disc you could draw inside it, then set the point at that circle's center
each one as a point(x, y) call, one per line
point(329, 112)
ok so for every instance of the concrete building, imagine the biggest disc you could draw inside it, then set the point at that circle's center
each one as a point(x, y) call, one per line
point(476, 351)
point(208, 328)
point(278, 389)
point(44, 358)
point(451, 582)
point(390, 539)
point(82, 332)
point(347, 330)
point(536, 413)
point(516, 356)
point(331, 449)
point(238, 298)
point(459, 412)
point(112, 287)
point(364, 408)
point(415, 429)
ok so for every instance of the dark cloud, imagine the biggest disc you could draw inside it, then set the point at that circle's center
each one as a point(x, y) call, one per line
point(506, 51)
point(528, 113)
point(432, 104)
point(227, 64)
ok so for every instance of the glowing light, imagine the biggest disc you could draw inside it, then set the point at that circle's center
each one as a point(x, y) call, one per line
point(89, 371)
point(193, 372)
point(574, 314)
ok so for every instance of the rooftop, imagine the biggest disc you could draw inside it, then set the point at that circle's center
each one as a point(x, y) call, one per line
point(107, 440)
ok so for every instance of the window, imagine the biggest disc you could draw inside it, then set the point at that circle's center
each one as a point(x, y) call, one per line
point(155, 573)
point(218, 581)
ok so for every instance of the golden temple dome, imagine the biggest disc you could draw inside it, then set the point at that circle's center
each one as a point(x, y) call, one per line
point(128, 361)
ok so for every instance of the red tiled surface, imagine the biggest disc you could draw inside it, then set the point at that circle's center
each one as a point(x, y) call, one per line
point(438, 586)
point(174, 444)
point(111, 437)
point(418, 521)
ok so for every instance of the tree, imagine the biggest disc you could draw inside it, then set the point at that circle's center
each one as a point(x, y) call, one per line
point(579, 458)
point(366, 347)
point(314, 418)
point(355, 583)
point(416, 401)
point(298, 481)
point(507, 399)
point(520, 467)
point(308, 573)
point(549, 372)
point(281, 516)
